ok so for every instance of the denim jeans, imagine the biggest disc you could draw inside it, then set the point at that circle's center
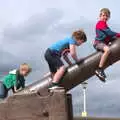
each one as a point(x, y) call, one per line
point(3, 90)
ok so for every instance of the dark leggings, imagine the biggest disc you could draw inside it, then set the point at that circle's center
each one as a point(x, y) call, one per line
point(53, 59)
point(3, 90)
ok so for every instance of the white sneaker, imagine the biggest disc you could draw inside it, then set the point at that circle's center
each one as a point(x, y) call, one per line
point(55, 87)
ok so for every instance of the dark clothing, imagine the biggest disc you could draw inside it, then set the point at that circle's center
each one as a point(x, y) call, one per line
point(9, 81)
point(100, 46)
point(104, 33)
point(3, 90)
point(20, 80)
point(53, 59)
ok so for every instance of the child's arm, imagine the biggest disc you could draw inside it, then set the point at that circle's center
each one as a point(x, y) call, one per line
point(118, 35)
point(73, 52)
point(100, 35)
point(22, 84)
point(65, 56)
point(67, 59)
point(109, 32)
point(16, 90)
point(102, 26)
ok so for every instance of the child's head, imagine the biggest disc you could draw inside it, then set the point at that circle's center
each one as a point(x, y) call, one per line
point(79, 36)
point(104, 14)
point(24, 69)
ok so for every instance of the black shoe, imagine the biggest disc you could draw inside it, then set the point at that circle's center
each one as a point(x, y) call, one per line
point(104, 74)
point(101, 74)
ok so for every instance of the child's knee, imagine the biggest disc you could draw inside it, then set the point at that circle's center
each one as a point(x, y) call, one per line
point(107, 50)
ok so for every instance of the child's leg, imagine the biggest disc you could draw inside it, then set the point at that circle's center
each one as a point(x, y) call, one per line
point(3, 91)
point(106, 51)
point(104, 56)
point(58, 75)
point(56, 67)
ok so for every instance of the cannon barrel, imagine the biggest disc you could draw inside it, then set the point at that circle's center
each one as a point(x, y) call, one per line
point(79, 72)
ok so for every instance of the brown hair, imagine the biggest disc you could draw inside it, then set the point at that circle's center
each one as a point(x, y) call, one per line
point(79, 35)
point(25, 65)
point(106, 11)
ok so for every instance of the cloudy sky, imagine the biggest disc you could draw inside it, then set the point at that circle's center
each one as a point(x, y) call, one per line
point(28, 27)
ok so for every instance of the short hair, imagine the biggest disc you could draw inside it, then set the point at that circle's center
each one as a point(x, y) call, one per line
point(25, 65)
point(106, 11)
point(79, 35)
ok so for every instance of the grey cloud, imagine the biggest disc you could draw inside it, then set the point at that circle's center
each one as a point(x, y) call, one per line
point(37, 24)
point(32, 37)
point(81, 22)
point(7, 61)
point(27, 40)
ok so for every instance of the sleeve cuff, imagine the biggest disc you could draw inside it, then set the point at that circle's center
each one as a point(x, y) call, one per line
point(118, 35)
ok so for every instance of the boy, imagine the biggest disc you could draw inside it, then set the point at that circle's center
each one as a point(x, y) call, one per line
point(104, 36)
point(62, 48)
point(14, 80)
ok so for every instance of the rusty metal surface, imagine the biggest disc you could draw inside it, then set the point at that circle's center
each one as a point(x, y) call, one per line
point(80, 71)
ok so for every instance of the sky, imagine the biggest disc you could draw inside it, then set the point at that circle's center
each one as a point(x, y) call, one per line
point(28, 27)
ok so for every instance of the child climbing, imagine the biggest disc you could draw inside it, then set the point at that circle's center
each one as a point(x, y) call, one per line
point(62, 48)
point(14, 80)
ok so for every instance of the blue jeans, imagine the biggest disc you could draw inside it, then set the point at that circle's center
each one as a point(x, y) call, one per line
point(3, 90)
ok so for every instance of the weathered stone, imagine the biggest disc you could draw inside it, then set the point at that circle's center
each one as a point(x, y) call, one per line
point(52, 106)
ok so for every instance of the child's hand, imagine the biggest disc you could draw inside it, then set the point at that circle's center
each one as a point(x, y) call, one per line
point(118, 35)
point(17, 90)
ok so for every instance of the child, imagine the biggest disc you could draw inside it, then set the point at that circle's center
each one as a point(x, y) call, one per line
point(62, 48)
point(104, 35)
point(14, 80)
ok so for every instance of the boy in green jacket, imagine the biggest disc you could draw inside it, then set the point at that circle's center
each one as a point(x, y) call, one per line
point(14, 80)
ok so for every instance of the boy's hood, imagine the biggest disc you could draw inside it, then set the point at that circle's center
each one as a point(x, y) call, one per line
point(13, 72)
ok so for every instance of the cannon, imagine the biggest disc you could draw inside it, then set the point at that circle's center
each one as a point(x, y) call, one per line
point(35, 102)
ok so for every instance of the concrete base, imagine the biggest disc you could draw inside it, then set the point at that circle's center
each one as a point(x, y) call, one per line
point(33, 106)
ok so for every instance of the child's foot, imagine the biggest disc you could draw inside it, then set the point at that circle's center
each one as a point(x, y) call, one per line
point(101, 74)
point(54, 86)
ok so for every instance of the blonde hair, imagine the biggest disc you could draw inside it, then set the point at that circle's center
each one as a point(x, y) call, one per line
point(25, 65)
point(79, 35)
point(106, 11)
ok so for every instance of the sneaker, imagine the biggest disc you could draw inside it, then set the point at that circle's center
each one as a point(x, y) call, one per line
point(104, 74)
point(54, 86)
point(100, 73)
